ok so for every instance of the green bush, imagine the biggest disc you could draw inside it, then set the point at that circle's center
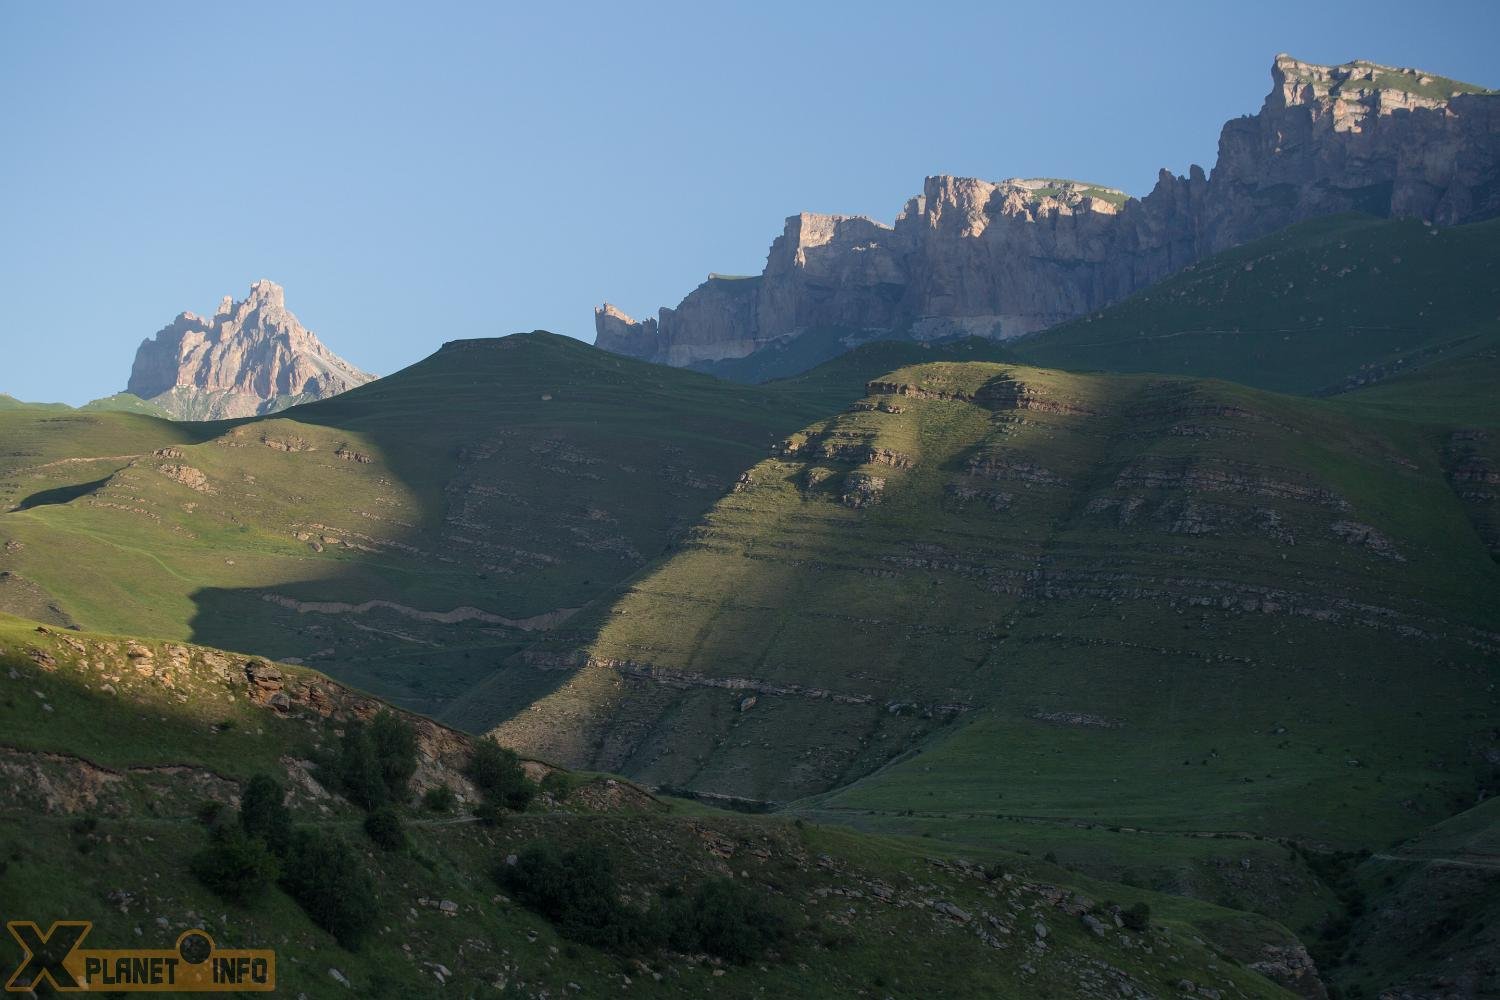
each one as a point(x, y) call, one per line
point(724, 918)
point(383, 825)
point(499, 775)
point(489, 813)
point(264, 814)
point(576, 891)
point(439, 799)
point(235, 865)
point(375, 762)
point(396, 750)
point(358, 768)
point(327, 879)
point(1137, 917)
point(556, 784)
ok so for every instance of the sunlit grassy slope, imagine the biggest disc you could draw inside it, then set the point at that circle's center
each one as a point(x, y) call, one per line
point(482, 494)
point(1164, 603)
point(1322, 306)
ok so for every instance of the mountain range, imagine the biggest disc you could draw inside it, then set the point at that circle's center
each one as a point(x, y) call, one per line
point(1096, 596)
point(1009, 258)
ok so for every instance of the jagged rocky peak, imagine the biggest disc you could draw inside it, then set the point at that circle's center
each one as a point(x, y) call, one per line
point(252, 356)
point(1009, 257)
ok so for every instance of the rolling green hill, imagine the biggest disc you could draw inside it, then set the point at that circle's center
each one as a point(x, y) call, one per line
point(1166, 630)
point(1198, 638)
point(1323, 306)
point(387, 534)
point(119, 755)
point(1145, 596)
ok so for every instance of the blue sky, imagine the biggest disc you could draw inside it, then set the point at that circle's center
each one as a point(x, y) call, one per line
point(418, 173)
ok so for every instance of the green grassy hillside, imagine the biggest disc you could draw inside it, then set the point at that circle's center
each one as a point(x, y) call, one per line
point(1429, 913)
point(397, 534)
point(1166, 631)
point(118, 755)
point(1323, 306)
point(1125, 599)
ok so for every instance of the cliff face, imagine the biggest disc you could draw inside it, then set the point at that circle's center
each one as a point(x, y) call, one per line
point(1004, 259)
point(250, 357)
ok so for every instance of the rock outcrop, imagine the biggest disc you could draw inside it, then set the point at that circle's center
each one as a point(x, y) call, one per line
point(250, 357)
point(1003, 259)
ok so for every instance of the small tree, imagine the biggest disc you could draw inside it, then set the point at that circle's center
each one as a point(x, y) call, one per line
point(396, 750)
point(235, 865)
point(326, 878)
point(263, 813)
point(358, 767)
point(499, 774)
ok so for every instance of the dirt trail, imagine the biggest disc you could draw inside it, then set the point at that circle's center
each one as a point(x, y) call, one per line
point(464, 614)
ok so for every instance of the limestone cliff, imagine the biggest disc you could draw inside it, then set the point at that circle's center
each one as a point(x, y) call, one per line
point(250, 357)
point(1002, 259)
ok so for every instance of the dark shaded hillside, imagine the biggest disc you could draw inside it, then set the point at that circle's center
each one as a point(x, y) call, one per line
point(144, 752)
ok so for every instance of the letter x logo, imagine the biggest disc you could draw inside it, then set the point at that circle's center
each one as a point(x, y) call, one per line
point(46, 953)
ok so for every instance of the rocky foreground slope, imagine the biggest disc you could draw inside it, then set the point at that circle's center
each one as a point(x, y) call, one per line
point(123, 759)
point(1002, 259)
point(249, 357)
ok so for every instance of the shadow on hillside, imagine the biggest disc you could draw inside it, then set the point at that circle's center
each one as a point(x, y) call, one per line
point(61, 494)
point(423, 667)
point(535, 474)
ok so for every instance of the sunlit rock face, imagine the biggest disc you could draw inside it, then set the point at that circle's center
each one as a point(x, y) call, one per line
point(249, 357)
point(1002, 259)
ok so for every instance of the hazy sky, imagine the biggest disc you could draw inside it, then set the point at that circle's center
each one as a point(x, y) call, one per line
point(425, 172)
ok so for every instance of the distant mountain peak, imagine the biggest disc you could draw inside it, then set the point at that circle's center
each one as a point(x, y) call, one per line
point(252, 356)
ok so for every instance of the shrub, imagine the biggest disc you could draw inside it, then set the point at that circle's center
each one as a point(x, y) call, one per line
point(264, 814)
point(1137, 917)
point(326, 878)
point(209, 811)
point(489, 813)
point(235, 865)
point(556, 785)
point(439, 799)
point(499, 775)
point(727, 919)
point(384, 827)
point(576, 891)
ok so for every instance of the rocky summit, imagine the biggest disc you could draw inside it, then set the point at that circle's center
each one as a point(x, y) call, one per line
point(250, 357)
point(1004, 259)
